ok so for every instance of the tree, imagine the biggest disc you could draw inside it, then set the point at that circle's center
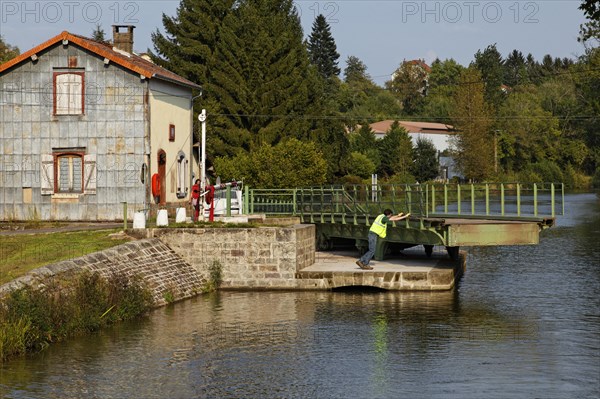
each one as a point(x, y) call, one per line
point(262, 78)
point(191, 38)
point(591, 29)
point(443, 81)
point(356, 71)
point(98, 34)
point(395, 151)
point(515, 69)
point(529, 134)
point(322, 49)
point(471, 116)
point(409, 84)
point(359, 164)
point(491, 65)
point(7, 52)
point(364, 141)
point(426, 166)
point(291, 163)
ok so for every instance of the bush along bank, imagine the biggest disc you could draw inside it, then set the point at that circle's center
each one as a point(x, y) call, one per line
point(31, 318)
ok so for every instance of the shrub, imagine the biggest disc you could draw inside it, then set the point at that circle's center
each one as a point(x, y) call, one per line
point(33, 317)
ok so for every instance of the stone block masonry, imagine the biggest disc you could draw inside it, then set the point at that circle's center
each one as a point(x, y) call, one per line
point(259, 258)
point(166, 274)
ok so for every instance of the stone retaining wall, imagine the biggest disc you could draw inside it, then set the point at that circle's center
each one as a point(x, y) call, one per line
point(263, 257)
point(166, 274)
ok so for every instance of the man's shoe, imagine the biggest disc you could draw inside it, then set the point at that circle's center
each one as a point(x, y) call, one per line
point(363, 266)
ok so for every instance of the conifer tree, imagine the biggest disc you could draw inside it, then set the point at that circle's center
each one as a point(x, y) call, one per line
point(471, 117)
point(322, 49)
point(98, 34)
point(395, 151)
point(426, 166)
point(191, 38)
point(491, 65)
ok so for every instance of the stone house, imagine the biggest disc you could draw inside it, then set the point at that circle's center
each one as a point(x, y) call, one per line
point(85, 126)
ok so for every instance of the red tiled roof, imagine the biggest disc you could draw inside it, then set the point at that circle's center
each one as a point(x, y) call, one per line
point(133, 62)
point(413, 127)
point(420, 63)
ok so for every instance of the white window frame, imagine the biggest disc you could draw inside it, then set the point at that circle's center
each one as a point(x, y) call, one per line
point(69, 93)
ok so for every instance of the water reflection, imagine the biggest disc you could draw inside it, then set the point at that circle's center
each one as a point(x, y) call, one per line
point(523, 322)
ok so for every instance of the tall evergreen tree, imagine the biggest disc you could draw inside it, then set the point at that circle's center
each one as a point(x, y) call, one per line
point(191, 38)
point(322, 49)
point(395, 151)
point(515, 69)
point(491, 65)
point(426, 165)
point(471, 116)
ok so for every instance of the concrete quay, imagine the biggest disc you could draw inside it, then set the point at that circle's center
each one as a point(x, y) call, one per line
point(409, 271)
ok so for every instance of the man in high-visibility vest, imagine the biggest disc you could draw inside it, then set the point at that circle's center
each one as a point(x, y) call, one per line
point(378, 229)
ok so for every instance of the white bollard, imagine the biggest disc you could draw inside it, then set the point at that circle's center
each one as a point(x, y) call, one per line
point(162, 218)
point(180, 215)
point(139, 220)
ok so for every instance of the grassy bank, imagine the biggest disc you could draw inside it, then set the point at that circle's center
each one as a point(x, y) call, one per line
point(31, 319)
point(24, 252)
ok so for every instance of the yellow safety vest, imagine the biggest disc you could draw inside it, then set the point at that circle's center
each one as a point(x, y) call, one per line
point(378, 227)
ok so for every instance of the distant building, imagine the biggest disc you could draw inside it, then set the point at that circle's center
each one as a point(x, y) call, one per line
point(84, 125)
point(439, 133)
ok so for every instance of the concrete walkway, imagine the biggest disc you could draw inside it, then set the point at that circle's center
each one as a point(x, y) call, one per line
point(405, 272)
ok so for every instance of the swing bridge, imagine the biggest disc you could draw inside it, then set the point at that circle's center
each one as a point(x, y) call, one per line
point(441, 214)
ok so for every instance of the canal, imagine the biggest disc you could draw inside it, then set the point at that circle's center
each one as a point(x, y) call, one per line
point(523, 322)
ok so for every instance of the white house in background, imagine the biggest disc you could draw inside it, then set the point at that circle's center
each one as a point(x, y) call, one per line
point(438, 133)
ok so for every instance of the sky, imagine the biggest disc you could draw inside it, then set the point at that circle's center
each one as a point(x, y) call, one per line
point(380, 33)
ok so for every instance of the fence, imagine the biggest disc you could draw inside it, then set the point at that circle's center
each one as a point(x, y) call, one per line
point(497, 200)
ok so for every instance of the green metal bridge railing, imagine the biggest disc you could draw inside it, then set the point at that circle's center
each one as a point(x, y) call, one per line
point(358, 204)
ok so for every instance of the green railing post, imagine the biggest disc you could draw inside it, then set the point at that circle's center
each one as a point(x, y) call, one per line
point(518, 199)
point(432, 198)
point(562, 198)
point(458, 200)
point(124, 215)
point(426, 200)
point(502, 199)
point(472, 199)
point(409, 198)
point(487, 199)
point(295, 205)
point(445, 197)
point(552, 198)
point(252, 201)
point(535, 207)
point(245, 201)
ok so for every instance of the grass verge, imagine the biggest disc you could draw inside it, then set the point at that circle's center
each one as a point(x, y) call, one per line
point(24, 252)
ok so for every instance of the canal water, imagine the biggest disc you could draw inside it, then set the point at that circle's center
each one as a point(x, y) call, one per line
point(524, 322)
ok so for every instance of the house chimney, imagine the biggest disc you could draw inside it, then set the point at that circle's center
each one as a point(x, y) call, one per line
point(123, 39)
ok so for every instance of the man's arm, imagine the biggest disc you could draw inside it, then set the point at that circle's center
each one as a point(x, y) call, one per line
point(399, 216)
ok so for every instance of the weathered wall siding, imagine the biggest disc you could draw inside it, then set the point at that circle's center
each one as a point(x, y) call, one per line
point(113, 128)
point(154, 262)
point(266, 257)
